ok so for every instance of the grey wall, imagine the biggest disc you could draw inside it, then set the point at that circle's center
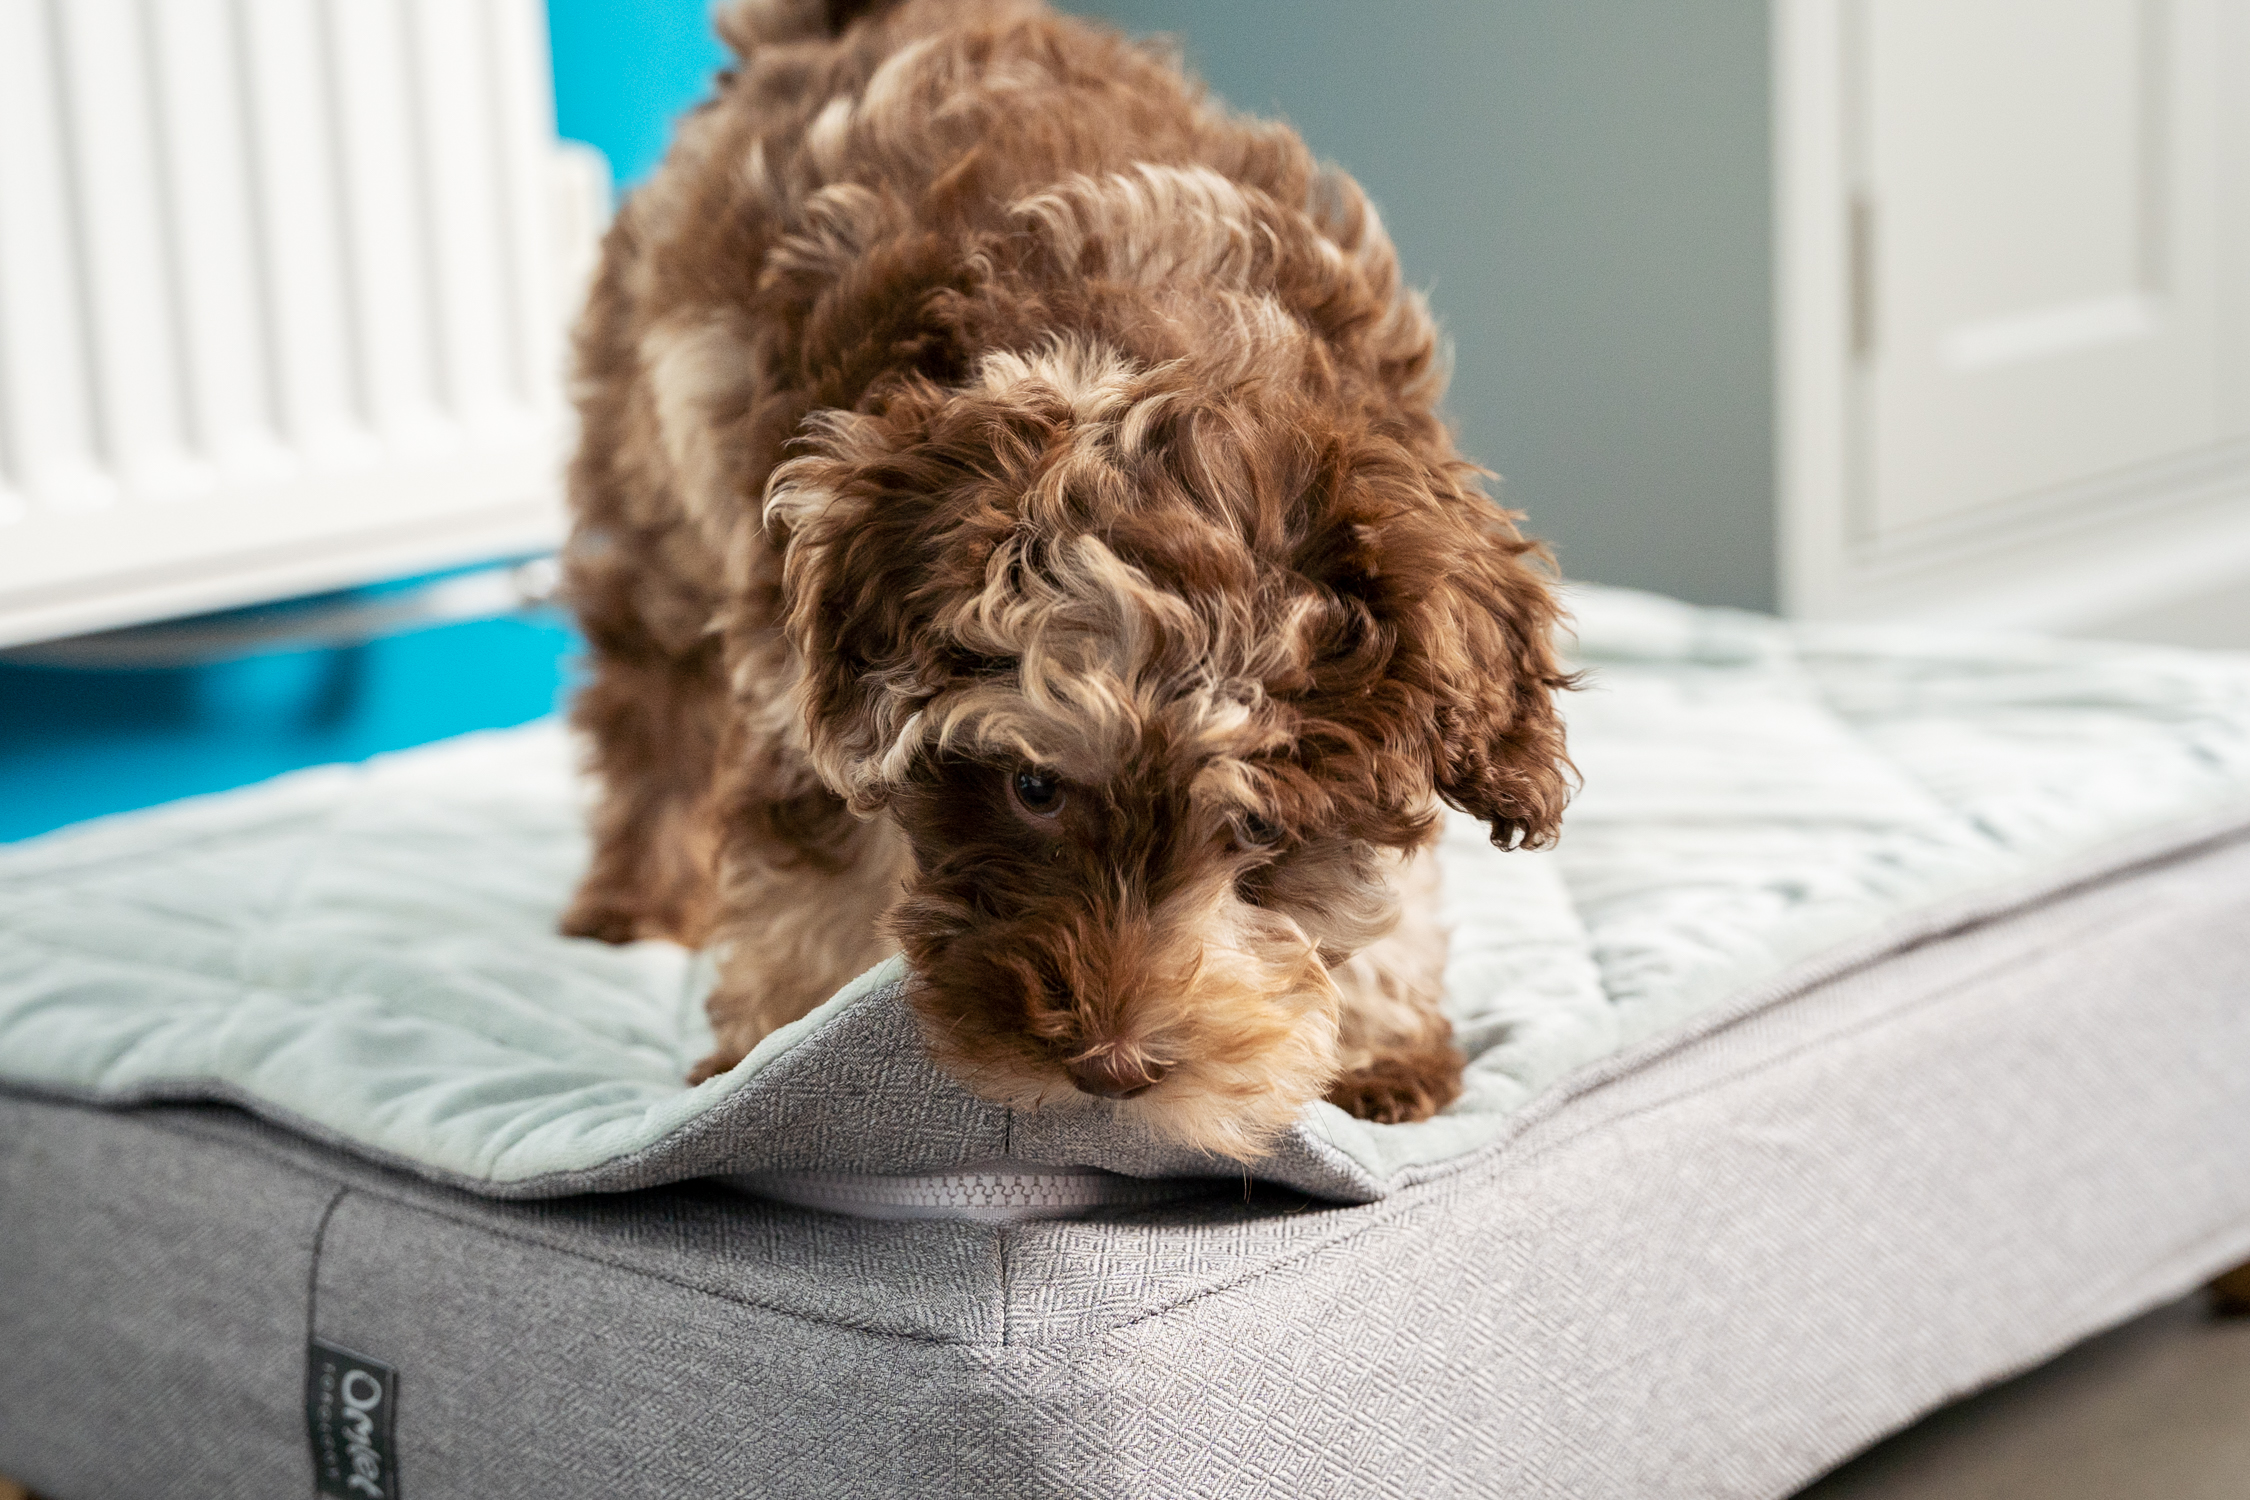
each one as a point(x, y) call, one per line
point(1582, 187)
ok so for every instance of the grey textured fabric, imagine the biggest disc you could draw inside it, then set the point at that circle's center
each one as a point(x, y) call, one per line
point(1714, 1269)
point(152, 1310)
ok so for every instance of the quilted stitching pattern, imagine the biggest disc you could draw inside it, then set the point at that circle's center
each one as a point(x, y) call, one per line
point(367, 953)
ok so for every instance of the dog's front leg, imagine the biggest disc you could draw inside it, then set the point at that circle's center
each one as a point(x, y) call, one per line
point(804, 887)
point(1395, 1043)
point(652, 713)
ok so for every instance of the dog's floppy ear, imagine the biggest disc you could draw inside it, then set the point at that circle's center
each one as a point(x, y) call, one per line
point(859, 519)
point(1485, 636)
point(886, 521)
point(1453, 663)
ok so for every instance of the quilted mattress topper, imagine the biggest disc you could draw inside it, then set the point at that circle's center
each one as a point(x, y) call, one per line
point(368, 954)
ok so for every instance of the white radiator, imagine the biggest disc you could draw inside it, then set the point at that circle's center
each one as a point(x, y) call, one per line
point(283, 293)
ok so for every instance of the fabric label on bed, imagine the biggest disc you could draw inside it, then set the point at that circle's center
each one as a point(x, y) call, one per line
point(351, 1405)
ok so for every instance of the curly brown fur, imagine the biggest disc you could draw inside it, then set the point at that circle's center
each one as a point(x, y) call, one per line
point(966, 397)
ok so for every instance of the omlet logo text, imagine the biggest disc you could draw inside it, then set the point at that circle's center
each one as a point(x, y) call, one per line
point(362, 1393)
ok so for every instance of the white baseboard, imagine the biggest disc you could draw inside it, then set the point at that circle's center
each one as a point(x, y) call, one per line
point(2218, 619)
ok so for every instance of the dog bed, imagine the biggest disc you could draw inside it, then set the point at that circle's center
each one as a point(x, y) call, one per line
point(1878, 1027)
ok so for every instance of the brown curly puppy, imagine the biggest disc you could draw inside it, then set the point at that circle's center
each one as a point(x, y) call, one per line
point(1014, 527)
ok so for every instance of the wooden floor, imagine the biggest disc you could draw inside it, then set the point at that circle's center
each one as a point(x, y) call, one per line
point(2156, 1410)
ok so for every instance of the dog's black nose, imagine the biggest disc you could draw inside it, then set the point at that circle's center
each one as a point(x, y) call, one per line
point(1115, 1077)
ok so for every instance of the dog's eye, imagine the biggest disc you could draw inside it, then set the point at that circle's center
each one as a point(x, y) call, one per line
point(1039, 793)
point(1257, 833)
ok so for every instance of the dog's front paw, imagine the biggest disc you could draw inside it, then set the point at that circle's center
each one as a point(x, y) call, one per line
point(720, 1061)
point(1401, 1087)
point(743, 1015)
point(600, 920)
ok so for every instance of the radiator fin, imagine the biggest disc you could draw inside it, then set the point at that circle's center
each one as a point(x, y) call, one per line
point(276, 277)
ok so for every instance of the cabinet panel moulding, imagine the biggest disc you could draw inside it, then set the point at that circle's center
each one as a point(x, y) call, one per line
point(2090, 513)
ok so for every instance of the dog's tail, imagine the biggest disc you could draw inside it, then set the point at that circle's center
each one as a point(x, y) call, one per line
point(747, 24)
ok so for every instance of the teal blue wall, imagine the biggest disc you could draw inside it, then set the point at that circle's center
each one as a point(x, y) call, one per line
point(624, 69)
point(75, 744)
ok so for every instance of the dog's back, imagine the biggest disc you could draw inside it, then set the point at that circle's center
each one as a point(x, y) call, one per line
point(857, 205)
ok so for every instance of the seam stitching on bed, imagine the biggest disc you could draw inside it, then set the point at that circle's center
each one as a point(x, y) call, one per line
point(261, 1149)
point(312, 1276)
point(279, 1155)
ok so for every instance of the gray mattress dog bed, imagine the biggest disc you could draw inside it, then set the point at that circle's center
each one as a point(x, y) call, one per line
point(1881, 1025)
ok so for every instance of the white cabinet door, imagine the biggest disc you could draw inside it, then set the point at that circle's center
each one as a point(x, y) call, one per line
point(2031, 351)
point(2037, 201)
